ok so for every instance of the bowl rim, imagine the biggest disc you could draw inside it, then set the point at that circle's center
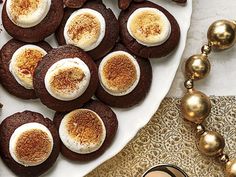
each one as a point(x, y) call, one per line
point(165, 165)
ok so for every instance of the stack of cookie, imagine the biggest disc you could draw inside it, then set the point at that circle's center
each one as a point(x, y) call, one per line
point(101, 61)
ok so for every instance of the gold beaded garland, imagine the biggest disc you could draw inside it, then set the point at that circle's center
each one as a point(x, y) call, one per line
point(211, 143)
point(230, 170)
point(197, 67)
point(195, 105)
point(188, 84)
point(222, 34)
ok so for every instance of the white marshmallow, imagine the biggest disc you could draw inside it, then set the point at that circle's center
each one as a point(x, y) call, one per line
point(18, 133)
point(24, 79)
point(33, 15)
point(102, 76)
point(88, 40)
point(138, 24)
point(73, 142)
point(64, 65)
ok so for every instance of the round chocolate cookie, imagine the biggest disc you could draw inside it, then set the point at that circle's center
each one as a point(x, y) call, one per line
point(148, 30)
point(96, 128)
point(66, 78)
point(125, 81)
point(93, 28)
point(17, 63)
point(41, 150)
point(34, 22)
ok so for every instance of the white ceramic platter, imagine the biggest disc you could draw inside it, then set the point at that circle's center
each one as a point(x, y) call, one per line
point(130, 120)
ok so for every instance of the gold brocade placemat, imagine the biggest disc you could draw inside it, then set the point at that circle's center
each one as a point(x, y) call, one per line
point(167, 138)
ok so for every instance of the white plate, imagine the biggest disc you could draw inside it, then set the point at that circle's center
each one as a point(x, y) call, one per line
point(130, 120)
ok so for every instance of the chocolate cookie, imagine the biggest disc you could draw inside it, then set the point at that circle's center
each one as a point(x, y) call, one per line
point(18, 81)
point(123, 82)
point(66, 78)
point(93, 117)
point(94, 28)
point(124, 4)
point(43, 22)
point(148, 30)
point(27, 159)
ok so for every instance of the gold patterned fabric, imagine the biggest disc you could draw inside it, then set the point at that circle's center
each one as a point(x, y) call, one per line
point(167, 138)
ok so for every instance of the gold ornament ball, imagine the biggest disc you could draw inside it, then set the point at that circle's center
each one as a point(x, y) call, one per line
point(197, 67)
point(222, 34)
point(195, 106)
point(211, 143)
point(230, 170)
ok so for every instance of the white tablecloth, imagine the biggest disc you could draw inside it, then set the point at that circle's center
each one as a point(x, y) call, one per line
point(222, 78)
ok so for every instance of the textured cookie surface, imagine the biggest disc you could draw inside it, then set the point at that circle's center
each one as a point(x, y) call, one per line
point(110, 121)
point(7, 128)
point(148, 51)
point(40, 31)
point(55, 55)
point(6, 77)
point(137, 94)
point(111, 29)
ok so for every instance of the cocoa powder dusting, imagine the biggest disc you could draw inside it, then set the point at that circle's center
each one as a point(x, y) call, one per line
point(147, 24)
point(120, 73)
point(67, 79)
point(85, 127)
point(23, 7)
point(28, 60)
point(33, 146)
point(84, 24)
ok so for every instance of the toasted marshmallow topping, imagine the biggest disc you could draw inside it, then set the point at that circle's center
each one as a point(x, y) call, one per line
point(82, 131)
point(85, 29)
point(31, 144)
point(27, 13)
point(24, 62)
point(119, 73)
point(149, 26)
point(67, 79)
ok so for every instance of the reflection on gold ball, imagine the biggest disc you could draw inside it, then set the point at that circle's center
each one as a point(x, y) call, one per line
point(211, 143)
point(195, 106)
point(231, 168)
point(197, 67)
point(222, 34)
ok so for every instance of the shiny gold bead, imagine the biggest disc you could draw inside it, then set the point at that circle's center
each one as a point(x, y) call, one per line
point(206, 49)
point(211, 143)
point(195, 106)
point(200, 129)
point(230, 170)
point(197, 67)
point(224, 158)
point(188, 84)
point(222, 34)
